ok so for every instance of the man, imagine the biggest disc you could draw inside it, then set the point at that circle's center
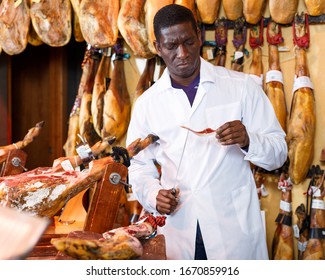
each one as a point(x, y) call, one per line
point(205, 185)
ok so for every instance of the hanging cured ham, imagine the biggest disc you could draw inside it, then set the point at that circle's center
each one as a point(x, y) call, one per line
point(45, 190)
point(221, 30)
point(302, 118)
point(239, 41)
point(315, 249)
point(253, 10)
point(101, 84)
point(14, 26)
point(131, 23)
point(274, 78)
point(89, 69)
point(146, 79)
point(233, 9)
point(76, 23)
point(33, 38)
point(256, 42)
point(208, 10)
point(28, 138)
point(282, 245)
point(283, 11)
point(151, 7)
point(98, 22)
point(117, 103)
point(52, 21)
point(315, 7)
point(303, 226)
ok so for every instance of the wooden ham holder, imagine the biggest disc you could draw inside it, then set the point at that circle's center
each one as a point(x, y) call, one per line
point(14, 164)
point(101, 216)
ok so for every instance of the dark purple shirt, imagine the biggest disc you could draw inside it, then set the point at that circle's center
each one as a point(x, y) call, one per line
point(190, 90)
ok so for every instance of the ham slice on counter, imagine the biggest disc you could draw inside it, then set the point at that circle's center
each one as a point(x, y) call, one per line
point(315, 7)
point(45, 190)
point(76, 22)
point(315, 249)
point(221, 30)
point(233, 9)
point(28, 138)
point(151, 7)
point(253, 10)
point(274, 78)
point(239, 41)
point(14, 26)
point(101, 84)
point(303, 227)
point(283, 11)
point(208, 10)
point(98, 22)
point(89, 69)
point(52, 21)
point(117, 103)
point(122, 243)
point(282, 245)
point(147, 77)
point(131, 23)
point(302, 118)
point(256, 42)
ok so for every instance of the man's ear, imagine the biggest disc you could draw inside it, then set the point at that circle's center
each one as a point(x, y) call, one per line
point(199, 36)
point(157, 47)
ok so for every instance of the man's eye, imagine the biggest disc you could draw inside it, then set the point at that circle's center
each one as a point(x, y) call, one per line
point(171, 46)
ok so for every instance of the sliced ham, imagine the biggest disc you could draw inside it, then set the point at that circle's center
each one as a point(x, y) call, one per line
point(52, 21)
point(274, 78)
point(282, 245)
point(117, 103)
point(131, 23)
point(98, 22)
point(14, 26)
point(283, 11)
point(233, 9)
point(302, 118)
point(101, 84)
point(208, 10)
point(315, 7)
point(151, 7)
point(253, 10)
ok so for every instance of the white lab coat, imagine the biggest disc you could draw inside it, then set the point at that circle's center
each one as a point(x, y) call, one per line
point(216, 184)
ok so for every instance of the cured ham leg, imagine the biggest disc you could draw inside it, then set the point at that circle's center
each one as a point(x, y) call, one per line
point(253, 10)
point(256, 42)
point(303, 225)
point(52, 21)
point(274, 78)
point(131, 23)
point(98, 22)
point(302, 119)
point(89, 68)
point(315, 7)
point(208, 10)
point(233, 9)
point(221, 30)
point(118, 244)
point(283, 11)
point(44, 190)
point(151, 7)
point(117, 104)
point(315, 249)
point(14, 26)
point(28, 138)
point(282, 245)
point(146, 78)
point(101, 84)
point(239, 44)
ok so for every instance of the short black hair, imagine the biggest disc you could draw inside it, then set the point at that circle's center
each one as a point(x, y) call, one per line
point(171, 15)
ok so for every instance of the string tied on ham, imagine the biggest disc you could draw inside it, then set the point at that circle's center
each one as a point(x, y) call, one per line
point(240, 29)
point(256, 42)
point(303, 41)
point(277, 38)
point(221, 33)
point(285, 185)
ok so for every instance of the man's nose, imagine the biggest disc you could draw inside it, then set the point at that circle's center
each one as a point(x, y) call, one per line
point(182, 51)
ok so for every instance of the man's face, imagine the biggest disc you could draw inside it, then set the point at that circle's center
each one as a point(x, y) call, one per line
point(179, 46)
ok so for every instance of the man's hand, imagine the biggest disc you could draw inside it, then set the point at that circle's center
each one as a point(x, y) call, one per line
point(231, 133)
point(167, 200)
